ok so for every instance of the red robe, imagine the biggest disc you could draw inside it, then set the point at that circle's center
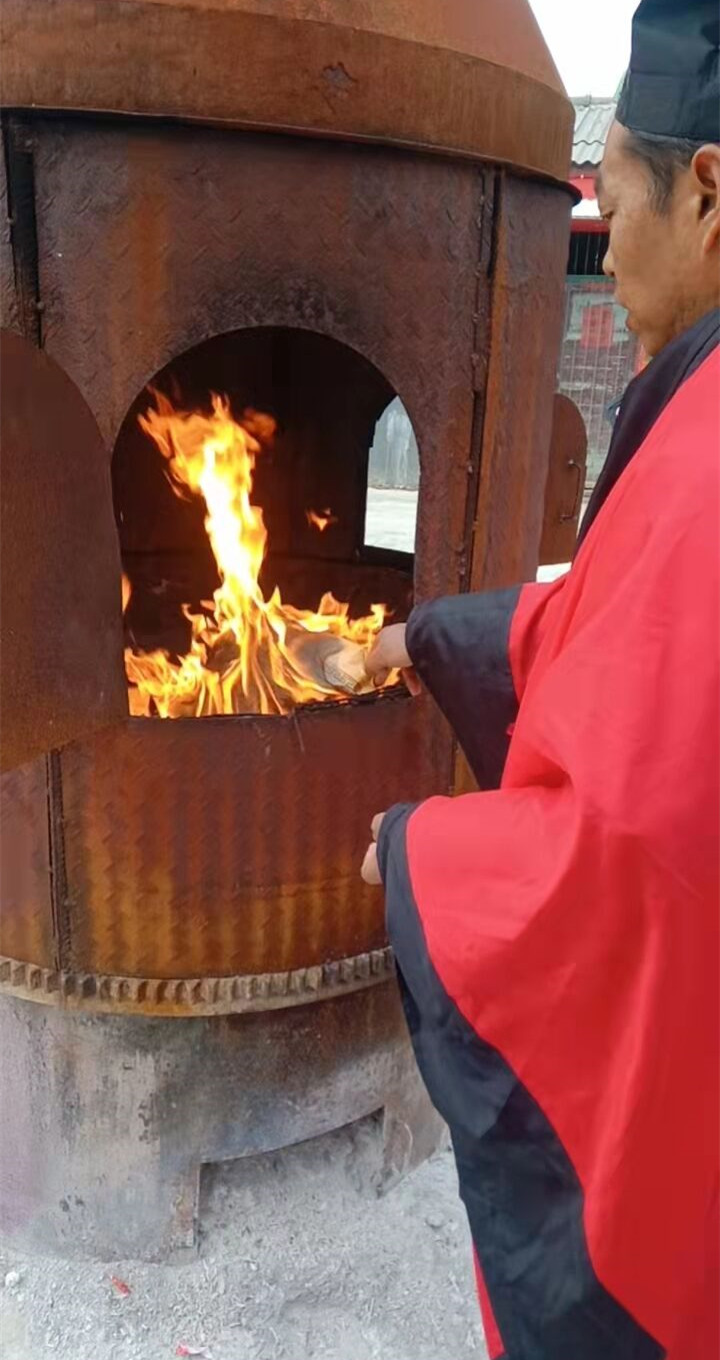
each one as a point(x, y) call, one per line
point(557, 938)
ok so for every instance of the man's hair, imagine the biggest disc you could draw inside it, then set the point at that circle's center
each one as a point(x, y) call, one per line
point(663, 158)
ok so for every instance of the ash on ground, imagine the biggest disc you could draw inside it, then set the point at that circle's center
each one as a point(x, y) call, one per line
point(299, 1259)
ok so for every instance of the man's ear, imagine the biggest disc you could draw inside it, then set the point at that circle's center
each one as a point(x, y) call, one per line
point(706, 169)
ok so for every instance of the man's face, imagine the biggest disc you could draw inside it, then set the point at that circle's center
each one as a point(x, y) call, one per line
point(651, 253)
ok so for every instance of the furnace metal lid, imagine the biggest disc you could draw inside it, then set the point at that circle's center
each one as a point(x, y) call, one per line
point(465, 77)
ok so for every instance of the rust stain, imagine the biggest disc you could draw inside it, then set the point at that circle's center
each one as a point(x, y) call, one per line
point(457, 77)
point(225, 846)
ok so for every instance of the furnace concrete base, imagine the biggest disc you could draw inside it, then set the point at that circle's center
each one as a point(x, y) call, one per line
point(106, 1120)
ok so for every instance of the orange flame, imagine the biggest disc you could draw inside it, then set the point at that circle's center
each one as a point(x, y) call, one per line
point(320, 522)
point(247, 654)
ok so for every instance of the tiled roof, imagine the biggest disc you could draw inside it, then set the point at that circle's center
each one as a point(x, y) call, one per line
point(592, 124)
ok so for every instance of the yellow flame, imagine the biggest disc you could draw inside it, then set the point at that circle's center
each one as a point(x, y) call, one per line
point(247, 654)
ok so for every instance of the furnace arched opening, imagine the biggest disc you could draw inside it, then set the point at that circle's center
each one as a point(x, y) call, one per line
point(309, 480)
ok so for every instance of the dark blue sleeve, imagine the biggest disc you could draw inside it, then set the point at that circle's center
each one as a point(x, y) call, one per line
point(459, 646)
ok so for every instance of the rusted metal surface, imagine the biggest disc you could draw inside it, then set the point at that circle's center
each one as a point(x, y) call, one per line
point(205, 233)
point(516, 379)
point(26, 915)
point(383, 275)
point(60, 625)
point(532, 229)
point(198, 850)
point(450, 75)
point(565, 483)
point(232, 845)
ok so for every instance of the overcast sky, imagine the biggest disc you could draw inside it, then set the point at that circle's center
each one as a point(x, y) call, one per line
point(590, 43)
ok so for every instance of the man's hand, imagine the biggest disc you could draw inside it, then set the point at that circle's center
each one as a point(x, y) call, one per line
point(370, 871)
point(391, 654)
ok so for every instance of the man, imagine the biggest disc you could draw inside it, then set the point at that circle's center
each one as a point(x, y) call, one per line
point(557, 934)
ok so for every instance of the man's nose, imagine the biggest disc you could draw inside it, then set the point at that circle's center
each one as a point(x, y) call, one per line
point(608, 263)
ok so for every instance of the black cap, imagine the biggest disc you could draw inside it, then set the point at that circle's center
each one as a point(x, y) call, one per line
point(672, 88)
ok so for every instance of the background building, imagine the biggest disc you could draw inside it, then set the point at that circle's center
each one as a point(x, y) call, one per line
point(599, 355)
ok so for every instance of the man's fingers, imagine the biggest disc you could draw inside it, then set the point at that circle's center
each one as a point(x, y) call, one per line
point(370, 871)
point(410, 676)
point(388, 652)
point(375, 663)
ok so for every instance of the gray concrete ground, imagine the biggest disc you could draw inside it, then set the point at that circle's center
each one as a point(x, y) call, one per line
point(299, 1260)
point(390, 521)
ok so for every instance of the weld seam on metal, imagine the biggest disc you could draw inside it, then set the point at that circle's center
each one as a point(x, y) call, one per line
point(58, 867)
